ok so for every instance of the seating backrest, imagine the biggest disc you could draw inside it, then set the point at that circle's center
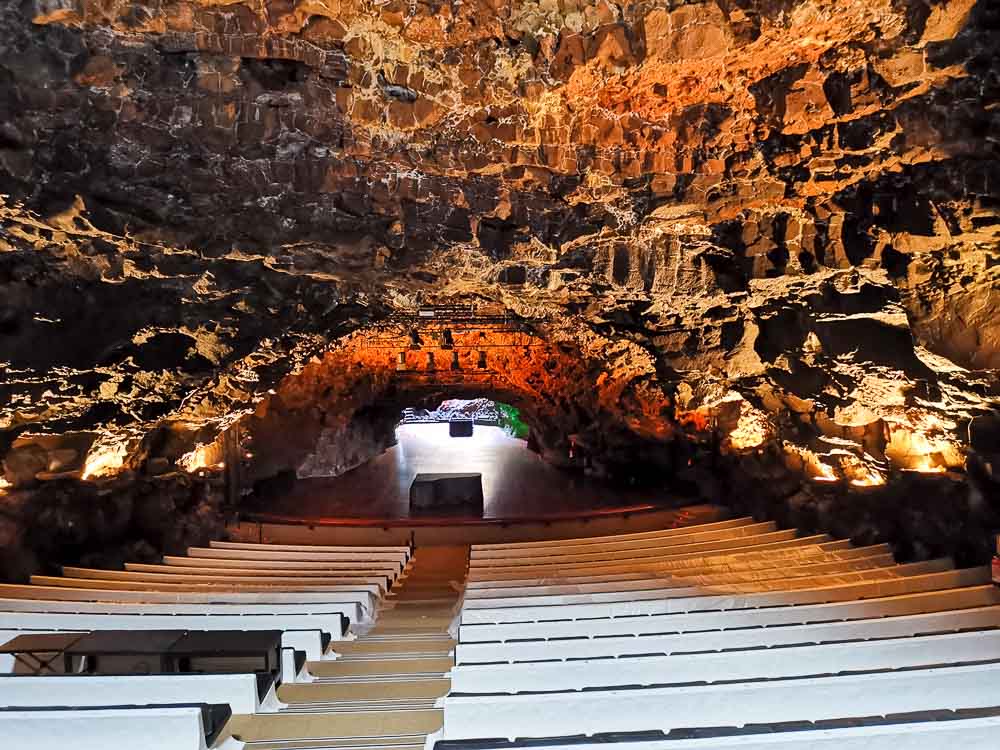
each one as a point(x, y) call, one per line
point(172, 727)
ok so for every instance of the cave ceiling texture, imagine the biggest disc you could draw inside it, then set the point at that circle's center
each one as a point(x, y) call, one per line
point(743, 247)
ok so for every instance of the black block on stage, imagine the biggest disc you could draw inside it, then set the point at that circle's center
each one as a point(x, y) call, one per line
point(460, 427)
point(430, 491)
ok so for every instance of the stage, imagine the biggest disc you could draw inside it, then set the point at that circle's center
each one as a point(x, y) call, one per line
point(516, 482)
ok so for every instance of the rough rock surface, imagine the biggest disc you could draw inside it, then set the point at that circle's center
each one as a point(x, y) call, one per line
point(765, 227)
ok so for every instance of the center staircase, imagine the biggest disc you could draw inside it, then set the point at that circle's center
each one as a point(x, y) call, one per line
point(381, 692)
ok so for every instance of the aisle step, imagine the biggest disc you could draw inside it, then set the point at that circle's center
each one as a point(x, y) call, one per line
point(368, 690)
point(403, 742)
point(368, 667)
point(376, 692)
point(282, 726)
point(366, 647)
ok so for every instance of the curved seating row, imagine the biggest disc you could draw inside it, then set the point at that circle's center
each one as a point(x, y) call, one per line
point(734, 633)
point(310, 595)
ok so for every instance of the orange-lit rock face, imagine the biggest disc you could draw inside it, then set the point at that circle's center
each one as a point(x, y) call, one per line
point(767, 226)
point(566, 382)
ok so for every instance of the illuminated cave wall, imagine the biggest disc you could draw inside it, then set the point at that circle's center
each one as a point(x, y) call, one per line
point(758, 239)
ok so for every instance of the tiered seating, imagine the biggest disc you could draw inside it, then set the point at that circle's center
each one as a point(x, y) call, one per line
point(725, 635)
point(244, 586)
point(722, 635)
point(180, 727)
point(297, 598)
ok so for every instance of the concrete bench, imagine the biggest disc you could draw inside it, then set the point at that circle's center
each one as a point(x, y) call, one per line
point(931, 730)
point(654, 550)
point(185, 585)
point(790, 591)
point(654, 534)
point(697, 585)
point(643, 563)
point(406, 551)
point(58, 621)
point(339, 578)
point(677, 579)
point(354, 612)
point(351, 569)
point(204, 596)
point(785, 559)
point(373, 586)
point(750, 609)
point(616, 545)
point(939, 611)
point(243, 693)
point(732, 704)
point(181, 727)
point(775, 662)
point(398, 558)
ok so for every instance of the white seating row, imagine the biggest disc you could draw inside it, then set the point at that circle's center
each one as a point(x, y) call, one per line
point(890, 617)
point(703, 629)
point(615, 564)
point(130, 728)
point(788, 561)
point(749, 664)
point(931, 732)
point(239, 691)
point(306, 593)
point(734, 704)
point(666, 582)
point(906, 578)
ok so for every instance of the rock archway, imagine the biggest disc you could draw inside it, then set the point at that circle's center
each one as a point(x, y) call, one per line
point(566, 380)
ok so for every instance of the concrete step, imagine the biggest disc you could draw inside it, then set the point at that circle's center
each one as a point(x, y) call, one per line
point(369, 667)
point(421, 621)
point(400, 647)
point(358, 690)
point(384, 704)
point(412, 742)
point(334, 726)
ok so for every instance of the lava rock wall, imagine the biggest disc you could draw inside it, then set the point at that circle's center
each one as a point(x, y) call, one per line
point(766, 227)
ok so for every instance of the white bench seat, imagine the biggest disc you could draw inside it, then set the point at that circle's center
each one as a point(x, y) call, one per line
point(627, 566)
point(355, 611)
point(161, 728)
point(405, 551)
point(361, 568)
point(653, 534)
point(397, 558)
point(693, 598)
point(750, 609)
point(344, 577)
point(183, 585)
point(618, 546)
point(791, 661)
point(205, 595)
point(787, 559)
point(66, 622)
point(652, 551)
point(974, 733)
point(239, 691)
point(899, 626)
point(375, 585)
point(733, 704)
point(675, 579)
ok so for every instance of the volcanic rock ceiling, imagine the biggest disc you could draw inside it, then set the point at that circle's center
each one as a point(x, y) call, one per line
point(768, 228)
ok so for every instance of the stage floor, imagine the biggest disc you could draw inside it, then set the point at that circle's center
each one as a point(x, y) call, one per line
point(516, 482)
